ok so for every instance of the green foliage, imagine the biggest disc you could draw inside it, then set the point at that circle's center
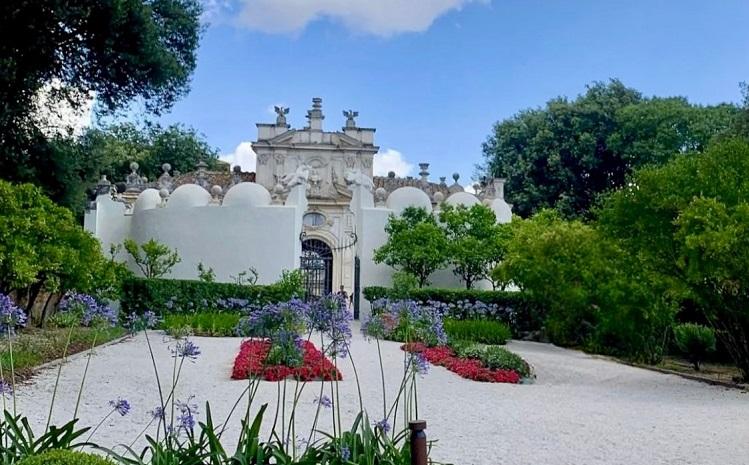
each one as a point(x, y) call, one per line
point(291, 284)
point(34, 347)
point(152, 258)
point(65, 457)
point(206, 274)
point(42, 248)
point(403, 284)
point(527, 313)
point(595, 293)
point(21, 445)
point(120, 50)
point(695, 341)
point(164, 296)
point(483, 331)
point(476, 242)
point(416, 244)
point(203, 324)
point(499, 358)
point(563, 156)
point(686, 224)
point(115, 147)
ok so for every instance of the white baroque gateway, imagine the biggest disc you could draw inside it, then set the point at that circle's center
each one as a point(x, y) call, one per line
point(313, 203)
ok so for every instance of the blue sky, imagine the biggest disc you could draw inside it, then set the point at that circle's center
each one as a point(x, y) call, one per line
point(434, 75)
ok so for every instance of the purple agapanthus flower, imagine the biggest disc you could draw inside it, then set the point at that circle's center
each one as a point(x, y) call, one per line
point(11, 316)
point(418, 362)
point(135, 322)
point(383, 425)
point(324, 401)
point(187, 412)
point(120, 406)
point(157, 413)
point(186, 349)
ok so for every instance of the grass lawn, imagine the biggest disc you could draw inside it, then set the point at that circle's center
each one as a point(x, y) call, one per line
point(34, 346)
point(202, 324)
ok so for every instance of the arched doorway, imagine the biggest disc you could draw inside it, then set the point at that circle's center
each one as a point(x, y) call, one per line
point(317, 268)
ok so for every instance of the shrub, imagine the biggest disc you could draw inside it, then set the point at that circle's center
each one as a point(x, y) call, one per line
point(484, 331)
point(164, 296)
point(499, 358)
point(468, 350)
point(695, 341)
point(65, 457)
point(516, 309)
point(203, 324)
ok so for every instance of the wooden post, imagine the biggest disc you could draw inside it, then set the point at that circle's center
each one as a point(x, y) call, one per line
point(418, 442)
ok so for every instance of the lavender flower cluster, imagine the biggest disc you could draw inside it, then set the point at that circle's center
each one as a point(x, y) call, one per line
point(87, 310)
point(11, 316)
point(406, 320)
point(468, 310)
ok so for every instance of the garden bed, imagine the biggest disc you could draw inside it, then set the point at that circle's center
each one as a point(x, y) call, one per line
point(469, 368)
point(33, 347)
point(251, 362)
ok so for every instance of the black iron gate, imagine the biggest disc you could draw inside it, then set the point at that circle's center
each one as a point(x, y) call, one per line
point(317, 268)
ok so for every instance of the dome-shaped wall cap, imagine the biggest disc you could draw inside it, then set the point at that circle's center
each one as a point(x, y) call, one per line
point(147, 200)
point(247, 194)
point(462, 198)
point(188, 196)
point(408, 196)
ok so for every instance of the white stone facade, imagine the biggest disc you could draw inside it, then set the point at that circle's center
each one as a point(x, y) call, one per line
point(310, 184)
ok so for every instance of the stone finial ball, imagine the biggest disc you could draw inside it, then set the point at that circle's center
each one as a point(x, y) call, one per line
point(381, 193)
point(391, 174)
point(216, 190)
point(237, 169)
point(164, 193)
point(145, 178)
point(438, 197)
point(278, 188)
point(456, 176)
point(134, 165)
point(166, 167)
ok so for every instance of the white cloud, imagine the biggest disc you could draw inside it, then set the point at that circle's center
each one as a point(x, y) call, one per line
point(470, 189)
point(243, 156)
point(391, 160)
point(377, 17)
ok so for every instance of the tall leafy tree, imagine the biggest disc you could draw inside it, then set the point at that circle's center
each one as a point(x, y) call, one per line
point(476, 243)
point(563, 156)
point(117, 50)
point(686, 222)
point(416, 244)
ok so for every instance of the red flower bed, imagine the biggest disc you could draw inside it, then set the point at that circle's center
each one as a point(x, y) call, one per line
point(251, 362)
point(465, 367)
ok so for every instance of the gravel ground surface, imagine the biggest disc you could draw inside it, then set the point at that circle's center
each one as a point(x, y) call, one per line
point(581, 409)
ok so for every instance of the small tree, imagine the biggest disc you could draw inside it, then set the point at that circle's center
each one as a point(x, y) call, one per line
point(476, 242)
point(153, 258)
point(416, 244)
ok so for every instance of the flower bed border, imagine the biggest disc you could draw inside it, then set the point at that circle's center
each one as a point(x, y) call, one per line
point(468, 368)
point(250, 361)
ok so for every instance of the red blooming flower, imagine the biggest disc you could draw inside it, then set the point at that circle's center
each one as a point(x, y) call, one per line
point(250, 361)
point(464, 367)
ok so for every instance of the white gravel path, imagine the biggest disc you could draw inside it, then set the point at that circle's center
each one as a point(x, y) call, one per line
point(581, 410)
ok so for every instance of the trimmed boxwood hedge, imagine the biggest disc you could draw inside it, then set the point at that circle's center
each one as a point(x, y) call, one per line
point(529, 315)
point(65, 457)
point(185, 296)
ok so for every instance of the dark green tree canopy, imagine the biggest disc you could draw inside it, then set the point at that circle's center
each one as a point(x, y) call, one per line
point(566, 154)
point(116, 50)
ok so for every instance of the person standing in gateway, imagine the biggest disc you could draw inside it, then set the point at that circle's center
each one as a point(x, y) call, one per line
point(343, 295)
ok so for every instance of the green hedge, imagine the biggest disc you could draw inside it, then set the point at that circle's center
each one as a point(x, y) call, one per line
point(527, 314)
point(65, 457)
point(184, 296)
